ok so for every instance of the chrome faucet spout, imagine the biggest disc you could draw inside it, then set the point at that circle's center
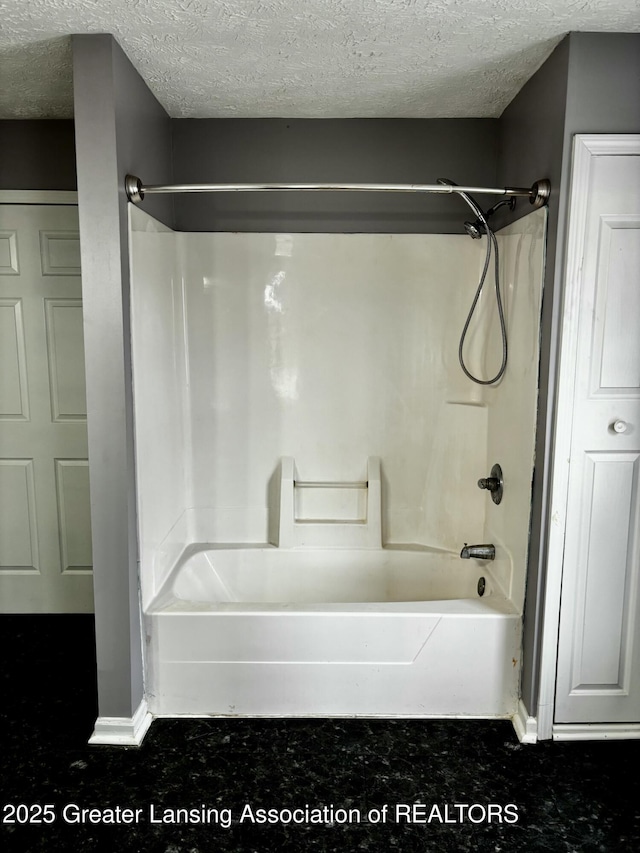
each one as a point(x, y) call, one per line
point(478, 552)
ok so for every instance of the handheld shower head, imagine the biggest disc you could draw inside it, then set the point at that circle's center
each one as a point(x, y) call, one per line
point(475, 230)
point(473, 204)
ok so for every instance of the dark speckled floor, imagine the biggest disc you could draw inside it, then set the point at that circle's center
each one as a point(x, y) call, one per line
point(569, 797)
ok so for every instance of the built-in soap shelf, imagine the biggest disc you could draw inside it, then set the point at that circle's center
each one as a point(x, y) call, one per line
point(329, 513)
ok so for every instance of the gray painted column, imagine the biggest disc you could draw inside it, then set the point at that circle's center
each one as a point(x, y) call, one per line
point(531, 147)
point(590, 84)
point(119, 127)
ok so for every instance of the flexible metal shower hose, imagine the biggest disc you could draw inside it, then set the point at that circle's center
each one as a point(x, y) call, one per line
point(491, 240)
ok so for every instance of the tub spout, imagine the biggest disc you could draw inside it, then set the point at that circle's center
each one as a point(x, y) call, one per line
point(478, 552)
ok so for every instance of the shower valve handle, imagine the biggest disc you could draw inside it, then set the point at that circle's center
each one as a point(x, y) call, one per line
point(493, 484)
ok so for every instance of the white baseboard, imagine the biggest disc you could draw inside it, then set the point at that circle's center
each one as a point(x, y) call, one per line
point(596, 731)
point(123, 731)
point(526, 726)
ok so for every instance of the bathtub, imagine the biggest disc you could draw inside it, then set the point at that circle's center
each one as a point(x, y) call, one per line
point(258, 630)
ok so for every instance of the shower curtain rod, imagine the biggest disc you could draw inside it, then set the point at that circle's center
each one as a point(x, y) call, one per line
point(538, 194)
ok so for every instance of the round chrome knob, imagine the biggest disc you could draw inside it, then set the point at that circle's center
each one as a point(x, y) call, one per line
point(620, 426)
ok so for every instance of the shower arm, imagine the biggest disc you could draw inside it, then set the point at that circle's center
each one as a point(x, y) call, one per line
point(538, 194)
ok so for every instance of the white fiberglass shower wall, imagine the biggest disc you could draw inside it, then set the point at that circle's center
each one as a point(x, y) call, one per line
point(308, 452)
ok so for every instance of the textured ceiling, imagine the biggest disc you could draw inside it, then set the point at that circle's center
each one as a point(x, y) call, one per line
point(299, 58)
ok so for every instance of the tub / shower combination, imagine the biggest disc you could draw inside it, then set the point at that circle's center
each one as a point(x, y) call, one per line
point(261, 631)
point(343, 593)
point(313, 629)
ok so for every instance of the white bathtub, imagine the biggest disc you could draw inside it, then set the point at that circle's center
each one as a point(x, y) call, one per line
point(263, 631)
point(269, 575)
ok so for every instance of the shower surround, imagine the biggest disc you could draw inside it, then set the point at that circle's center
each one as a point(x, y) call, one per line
point(308, 452)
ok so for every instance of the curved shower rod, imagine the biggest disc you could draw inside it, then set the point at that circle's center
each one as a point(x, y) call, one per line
point(538, 194)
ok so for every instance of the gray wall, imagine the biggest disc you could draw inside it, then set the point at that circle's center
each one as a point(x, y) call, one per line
point(330, 150)
point(37, 155)
point(590, 84)
point(120, 127)
point(531, 144)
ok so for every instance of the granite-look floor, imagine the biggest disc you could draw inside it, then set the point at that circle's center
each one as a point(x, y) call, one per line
point(579, 797)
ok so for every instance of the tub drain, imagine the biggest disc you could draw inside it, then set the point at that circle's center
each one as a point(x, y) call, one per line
point(481, 586)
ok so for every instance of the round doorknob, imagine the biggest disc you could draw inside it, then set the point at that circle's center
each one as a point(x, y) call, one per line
point(620, 426)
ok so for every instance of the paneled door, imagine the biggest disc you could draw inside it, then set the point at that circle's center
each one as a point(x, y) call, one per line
point(598, 675)
point(45, 532)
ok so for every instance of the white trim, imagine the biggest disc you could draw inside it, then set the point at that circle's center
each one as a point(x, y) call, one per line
point(585, 148)
point(287, 716)
point(609, 144)
point(38, 197)
point(123, 731)
point(596, 731)
point(526, 726)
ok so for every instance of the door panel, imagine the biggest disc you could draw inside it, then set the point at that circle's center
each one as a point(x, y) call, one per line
point(599, 640)
point(45, 530)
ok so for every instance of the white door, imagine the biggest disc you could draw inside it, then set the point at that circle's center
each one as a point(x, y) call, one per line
point(598, 675)
point(45, 533)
